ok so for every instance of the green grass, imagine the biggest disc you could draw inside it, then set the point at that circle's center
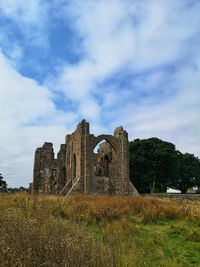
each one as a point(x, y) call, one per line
point(98, 231)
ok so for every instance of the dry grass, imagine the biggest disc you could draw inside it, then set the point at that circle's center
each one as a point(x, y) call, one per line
point(98, 209)
point(89, 231)
point(52, 242)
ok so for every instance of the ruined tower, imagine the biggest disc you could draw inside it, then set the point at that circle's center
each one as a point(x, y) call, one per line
point(45, 169)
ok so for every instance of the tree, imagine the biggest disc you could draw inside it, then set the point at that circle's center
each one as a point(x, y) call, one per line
point(152, 163)
point(189, 173)
point(3, 184)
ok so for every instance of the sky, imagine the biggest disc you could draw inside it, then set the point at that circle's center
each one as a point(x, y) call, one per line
point(134, 63)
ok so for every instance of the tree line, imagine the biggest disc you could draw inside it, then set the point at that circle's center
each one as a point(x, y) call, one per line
point(3, 184)
point(156, 165)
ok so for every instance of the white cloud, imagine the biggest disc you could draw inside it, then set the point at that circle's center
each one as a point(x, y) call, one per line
point(137, 37)
point(89, 109)
point(26, 11)
point(28, 118)
point(175, 118)
point(29, 20)
point(145, 33)
point(125, 36)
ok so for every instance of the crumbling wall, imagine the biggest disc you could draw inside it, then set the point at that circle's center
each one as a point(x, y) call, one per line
point(61, 168)
point(109, 169)
point(76, 155)
point(45, 169)
point(79, 169)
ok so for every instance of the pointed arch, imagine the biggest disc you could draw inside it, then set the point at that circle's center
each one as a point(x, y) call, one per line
point(103, 153)
point(108, 138)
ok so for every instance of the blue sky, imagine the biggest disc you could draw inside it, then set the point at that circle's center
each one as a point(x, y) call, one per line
point(134, 63)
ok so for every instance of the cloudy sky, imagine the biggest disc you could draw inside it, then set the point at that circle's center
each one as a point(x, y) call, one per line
point(134, 63)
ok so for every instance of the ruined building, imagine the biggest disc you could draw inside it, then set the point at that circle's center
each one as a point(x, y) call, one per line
point(79, 168)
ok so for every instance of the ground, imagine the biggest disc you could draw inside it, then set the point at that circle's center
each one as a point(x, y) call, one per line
point(99, 231)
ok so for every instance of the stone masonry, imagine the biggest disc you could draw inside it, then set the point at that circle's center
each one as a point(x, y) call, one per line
point(80, 169)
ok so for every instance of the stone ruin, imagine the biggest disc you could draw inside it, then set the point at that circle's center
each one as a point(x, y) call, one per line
point(78, 168)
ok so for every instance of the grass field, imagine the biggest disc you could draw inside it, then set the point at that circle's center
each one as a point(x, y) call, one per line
point(98, 231)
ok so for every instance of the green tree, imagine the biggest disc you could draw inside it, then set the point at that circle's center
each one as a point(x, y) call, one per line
point(152, 163)
point(189, 173)
point(3, 184)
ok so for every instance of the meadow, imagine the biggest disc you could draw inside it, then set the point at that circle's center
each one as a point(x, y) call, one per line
point(98, 231)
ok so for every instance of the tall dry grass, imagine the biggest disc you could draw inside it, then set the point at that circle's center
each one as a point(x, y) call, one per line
point(52, 242)
point(98, 209)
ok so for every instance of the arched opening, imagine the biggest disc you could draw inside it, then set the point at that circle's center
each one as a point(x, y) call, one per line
point(103, 153)
point(105, 138)
point(74, 166)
